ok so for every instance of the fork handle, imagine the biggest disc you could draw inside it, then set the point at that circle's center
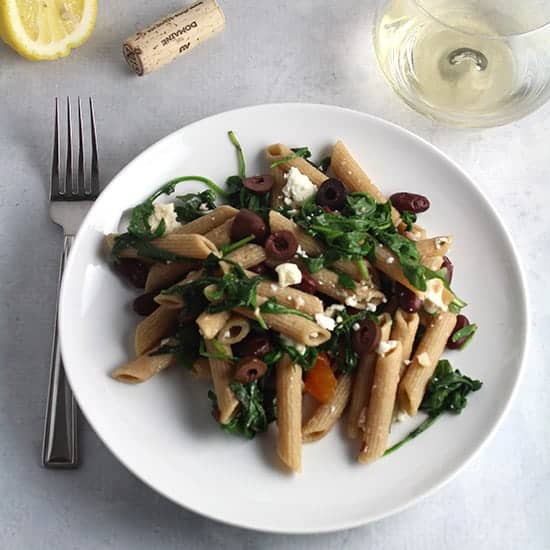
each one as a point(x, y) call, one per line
point(60, 444)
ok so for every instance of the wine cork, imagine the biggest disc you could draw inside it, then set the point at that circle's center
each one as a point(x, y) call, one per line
point(172, 36)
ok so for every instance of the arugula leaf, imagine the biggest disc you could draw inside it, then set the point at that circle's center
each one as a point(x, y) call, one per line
point(408, 218)
point(272, 306)
point(194, 205)
point(306, 360)
point(324, 165)
point(298, 152)
point(144, 248)
point(234, 289)
point(465, 332)
point(256, 411)
point(314, 265)
point(447, 391)
point(184, 344)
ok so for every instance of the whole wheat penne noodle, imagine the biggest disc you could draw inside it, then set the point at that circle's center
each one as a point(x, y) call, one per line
point(436, 246)
point(201, 369)
point(187, 245)
point(291, 297)
point(348, 171)
point(289, 413)
point(278, 222)
point(109, 242)
point(327, 414)
point(413, 384)
point(143, 367)
point(210, 324)
point(174, 300)
point(164, 275)
point(209, 221)
point(222, 374)
point(362, 297)
point(385, 323)
point(404, 330)
point(381, 404)
point(360, 393)
point(153, 328)
point(221, 235)
point(351, 268)
point(235, 330)
point(248, 255)
point(278, 151)
point(299, 329)
point(277, 197)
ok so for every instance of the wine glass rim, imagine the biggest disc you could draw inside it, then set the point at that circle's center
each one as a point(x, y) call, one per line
point(495, 36)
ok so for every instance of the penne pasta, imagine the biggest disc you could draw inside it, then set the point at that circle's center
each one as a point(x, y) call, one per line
point(436, 246)
point(220, 235)
point(164, 275)
point(222, 374)
point(289, 415)
point(143, 367)
point(248, 255)
point(277, 197)
point(413, 385)
point(416, 234)
point(404, 330)
point(360, 393)
point(186, 245)
point(201, 369)
point(381, 404)
point(109, 242)
point(291, 297)
point(209, 221)
point(235, 330)
point(433, 262)
point(173, 300)
point(327, 414)
point(210, 324)
point(301, 330)
point(277, 151)
point(153, 328)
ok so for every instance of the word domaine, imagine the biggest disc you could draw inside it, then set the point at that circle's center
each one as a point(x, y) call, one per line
point(179, 32)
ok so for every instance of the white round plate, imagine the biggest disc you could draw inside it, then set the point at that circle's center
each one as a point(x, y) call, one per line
point(162, 430)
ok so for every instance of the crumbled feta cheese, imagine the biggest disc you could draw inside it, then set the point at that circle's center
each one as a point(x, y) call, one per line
point(339, 319)
point(407, 362)
point(351, 301)
point(203, 207)
point(289, 298)
point(433, 298)
point(424, 360)
point(370, 307)
point(332, 310)
point(314, 334)
point(298, 188)
point(385, 346)
point(390, 260)
point(287, 201)
point(324, 321)
point(301, 252)
point(289, 274)
point(164, 212)
point(300, 302)
point(274, 287)
point(401, 416)
point(300, 348)
point(356, 326)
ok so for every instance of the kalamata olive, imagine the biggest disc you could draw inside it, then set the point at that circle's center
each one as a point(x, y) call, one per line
point(407, 300)
point(281, 245)
point(249, 369)
point(254, 345)
point(133, 270)
point(331, 194)
point(390, 306)
point(308, 284)
point(366, 338)
point(145, 304)
point(461, 322)
point(448, 265)
point(410, 202)
point(259, 184)
point(248, 223)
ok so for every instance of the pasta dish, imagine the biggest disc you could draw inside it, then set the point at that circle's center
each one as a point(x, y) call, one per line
point(303, 295)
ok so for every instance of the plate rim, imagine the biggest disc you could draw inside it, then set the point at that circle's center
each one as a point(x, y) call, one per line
point(342, 525)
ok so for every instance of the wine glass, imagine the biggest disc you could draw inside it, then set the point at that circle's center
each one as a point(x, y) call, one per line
point(470, 63)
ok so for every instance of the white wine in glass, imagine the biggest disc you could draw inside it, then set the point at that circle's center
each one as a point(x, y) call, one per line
point(466, 63)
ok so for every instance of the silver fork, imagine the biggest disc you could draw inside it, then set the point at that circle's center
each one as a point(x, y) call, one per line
point(70, 200)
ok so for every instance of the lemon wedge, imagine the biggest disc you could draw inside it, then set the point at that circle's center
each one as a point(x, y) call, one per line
point(46, 29)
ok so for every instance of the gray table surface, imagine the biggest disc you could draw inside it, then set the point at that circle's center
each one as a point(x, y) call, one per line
point(269, 52)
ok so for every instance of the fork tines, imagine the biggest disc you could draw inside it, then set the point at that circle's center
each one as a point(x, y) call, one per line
point(64, 186)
